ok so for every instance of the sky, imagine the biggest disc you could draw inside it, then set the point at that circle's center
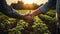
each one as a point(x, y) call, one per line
point(35, 1)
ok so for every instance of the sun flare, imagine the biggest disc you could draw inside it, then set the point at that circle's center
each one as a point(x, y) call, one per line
point(28, 1)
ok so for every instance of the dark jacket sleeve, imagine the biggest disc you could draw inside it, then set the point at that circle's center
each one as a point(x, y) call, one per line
point(8, 10)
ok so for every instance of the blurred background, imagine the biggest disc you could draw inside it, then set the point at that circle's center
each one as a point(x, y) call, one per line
point(43, 23)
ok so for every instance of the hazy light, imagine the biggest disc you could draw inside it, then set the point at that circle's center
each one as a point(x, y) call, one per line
point(11, 1)
point(28, 1)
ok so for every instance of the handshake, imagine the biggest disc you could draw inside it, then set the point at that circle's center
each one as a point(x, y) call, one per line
point(28, 18)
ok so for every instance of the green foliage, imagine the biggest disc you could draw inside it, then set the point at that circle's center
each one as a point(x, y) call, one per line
point(51, 13)
point(49, 21)
point(39, 26)
point(3, 21)
point(47, 18)
point(16, 30)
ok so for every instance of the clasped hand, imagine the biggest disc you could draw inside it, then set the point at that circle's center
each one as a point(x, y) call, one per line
point(28, 18)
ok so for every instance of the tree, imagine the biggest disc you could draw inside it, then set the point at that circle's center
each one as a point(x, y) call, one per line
point(35, 6)
point(18, 5)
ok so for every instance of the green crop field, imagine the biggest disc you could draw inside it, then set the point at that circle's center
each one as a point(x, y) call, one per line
point(43, 23)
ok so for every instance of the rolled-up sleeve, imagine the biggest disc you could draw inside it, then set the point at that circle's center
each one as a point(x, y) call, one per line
point(47, 6)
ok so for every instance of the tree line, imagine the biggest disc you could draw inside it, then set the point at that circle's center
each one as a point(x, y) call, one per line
point(20, 5)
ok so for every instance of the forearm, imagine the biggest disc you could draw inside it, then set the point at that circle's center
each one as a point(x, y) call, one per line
point(36, 12)
point(8, 10)
point(46, 7)
point(14, 15)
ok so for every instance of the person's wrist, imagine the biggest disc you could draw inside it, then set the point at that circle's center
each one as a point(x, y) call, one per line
point(34, 14)
point(37, 12)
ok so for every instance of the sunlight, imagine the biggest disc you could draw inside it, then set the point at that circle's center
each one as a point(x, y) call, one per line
point(28, 1)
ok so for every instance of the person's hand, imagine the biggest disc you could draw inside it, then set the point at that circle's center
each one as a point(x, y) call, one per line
point(28, 18)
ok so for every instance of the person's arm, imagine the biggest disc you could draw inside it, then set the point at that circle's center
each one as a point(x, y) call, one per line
point(44, 8)
point(8, 10)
